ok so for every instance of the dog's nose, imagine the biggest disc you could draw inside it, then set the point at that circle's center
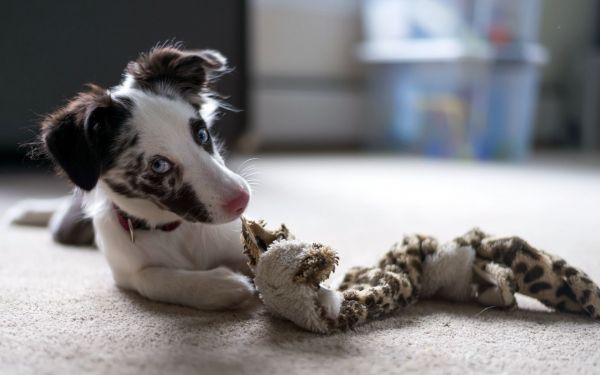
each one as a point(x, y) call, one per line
point(237, 205)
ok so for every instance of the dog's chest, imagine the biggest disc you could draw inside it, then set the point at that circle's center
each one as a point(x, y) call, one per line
point(190, 246)
point(166, 249)
point(183, 248)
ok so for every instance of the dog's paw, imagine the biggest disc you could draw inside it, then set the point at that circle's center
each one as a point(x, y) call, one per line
point(231, 290)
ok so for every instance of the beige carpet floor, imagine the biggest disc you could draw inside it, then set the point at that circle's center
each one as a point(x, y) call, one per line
point(60, 312)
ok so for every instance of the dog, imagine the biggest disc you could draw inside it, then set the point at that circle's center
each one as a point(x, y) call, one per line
point(165, 208)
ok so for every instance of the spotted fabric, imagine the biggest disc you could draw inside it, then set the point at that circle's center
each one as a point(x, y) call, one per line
point(502, 267)
point(516, 266)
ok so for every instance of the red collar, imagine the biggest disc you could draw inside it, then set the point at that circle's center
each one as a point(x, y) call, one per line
point(130, 223)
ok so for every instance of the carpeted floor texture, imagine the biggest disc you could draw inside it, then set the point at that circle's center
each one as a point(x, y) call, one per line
point(61, 314)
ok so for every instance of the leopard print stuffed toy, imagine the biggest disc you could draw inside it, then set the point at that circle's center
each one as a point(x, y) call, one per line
point(289, 276)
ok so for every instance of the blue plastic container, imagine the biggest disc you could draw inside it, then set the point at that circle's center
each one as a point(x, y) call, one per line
point(452, 78)
point(468, 107)
point(431, 108)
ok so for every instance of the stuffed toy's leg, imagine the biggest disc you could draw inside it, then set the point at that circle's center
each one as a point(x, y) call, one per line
point(495, 284)
point(509, 264)
point(373, 293)
point(404, 259)
point(396, 282)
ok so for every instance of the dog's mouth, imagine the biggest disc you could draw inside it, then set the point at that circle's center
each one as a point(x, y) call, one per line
point(206, 217)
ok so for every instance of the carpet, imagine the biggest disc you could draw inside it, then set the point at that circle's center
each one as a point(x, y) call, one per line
point(60, 312)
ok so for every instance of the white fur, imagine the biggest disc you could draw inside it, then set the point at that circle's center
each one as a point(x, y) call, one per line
point(448, 273)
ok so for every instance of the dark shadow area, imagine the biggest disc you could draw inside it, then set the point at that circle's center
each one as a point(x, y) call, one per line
point(52, 48)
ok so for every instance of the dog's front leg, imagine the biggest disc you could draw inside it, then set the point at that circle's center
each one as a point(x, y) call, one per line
point(215, 289)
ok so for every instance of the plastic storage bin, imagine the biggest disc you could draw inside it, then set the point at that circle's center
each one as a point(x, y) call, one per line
point(469, 108)
point(512, 100)
point(432, 108)
point(452, 78)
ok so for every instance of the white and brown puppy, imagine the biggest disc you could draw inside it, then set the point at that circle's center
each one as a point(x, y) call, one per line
point(165, 208)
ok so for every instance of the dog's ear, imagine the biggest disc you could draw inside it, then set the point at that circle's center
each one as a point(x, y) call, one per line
point(74, 136)
point(186, 71)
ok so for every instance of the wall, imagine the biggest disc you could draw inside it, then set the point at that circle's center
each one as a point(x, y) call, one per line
point(306, 83)
point(51, 49)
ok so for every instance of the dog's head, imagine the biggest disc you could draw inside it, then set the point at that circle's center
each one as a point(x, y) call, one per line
point(150, 139)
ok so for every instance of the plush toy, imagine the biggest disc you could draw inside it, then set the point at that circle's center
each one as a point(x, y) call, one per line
point(289, 276)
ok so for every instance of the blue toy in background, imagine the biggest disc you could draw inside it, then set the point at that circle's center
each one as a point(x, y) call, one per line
point(453, 78)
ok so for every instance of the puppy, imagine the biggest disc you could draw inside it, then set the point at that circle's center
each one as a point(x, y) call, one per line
point(165, 208)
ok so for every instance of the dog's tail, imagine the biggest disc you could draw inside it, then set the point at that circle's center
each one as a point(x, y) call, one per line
point(34, 212)
point(64, 216)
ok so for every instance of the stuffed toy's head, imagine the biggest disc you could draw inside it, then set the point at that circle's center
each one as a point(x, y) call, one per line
point(288, 275)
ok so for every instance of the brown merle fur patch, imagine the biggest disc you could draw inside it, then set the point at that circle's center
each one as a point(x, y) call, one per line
point(169, 68)
point(133, 178)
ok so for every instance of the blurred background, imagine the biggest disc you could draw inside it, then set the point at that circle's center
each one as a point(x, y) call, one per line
point(475, 79)
point(359, 121)
point(484, 79)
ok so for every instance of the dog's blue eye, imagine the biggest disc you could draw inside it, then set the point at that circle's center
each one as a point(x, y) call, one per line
point(161, 166)
point(203, 136)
